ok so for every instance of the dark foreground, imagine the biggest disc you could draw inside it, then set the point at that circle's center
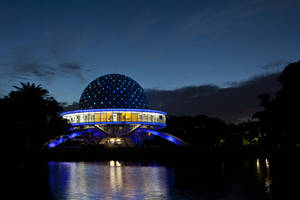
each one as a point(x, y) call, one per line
point(156, 174)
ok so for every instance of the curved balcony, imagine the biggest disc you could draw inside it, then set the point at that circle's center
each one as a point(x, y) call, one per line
point(116, 116)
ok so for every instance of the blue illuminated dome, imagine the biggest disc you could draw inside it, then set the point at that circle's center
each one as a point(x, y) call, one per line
point(113, 91)
point(114, 113)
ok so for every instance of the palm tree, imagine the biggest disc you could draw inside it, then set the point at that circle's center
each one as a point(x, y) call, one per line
point(29, 91)
point(33, 114)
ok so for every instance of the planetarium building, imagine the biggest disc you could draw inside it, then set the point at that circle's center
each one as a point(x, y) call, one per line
point(115, 112)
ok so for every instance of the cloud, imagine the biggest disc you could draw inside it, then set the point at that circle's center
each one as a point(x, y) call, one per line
point(233, 16)
point(70, 107)
point(70, 66)
point(215, 19)
point(2, 93)
point(279, 64)
point(238, 102)
point(75, 69)
point(27, 63)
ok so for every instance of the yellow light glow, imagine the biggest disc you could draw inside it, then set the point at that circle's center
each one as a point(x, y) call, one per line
point(112, 163)
point(267, 163)
point(118, 164)
point(112, 140)
point(120, 116)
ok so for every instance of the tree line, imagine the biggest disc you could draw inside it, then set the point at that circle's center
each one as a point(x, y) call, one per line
point(275, 126)
point(30, 118)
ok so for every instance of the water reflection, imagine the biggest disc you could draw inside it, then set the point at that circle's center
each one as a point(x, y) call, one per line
point(106, 180)
point(122, 180)
point(263, 174)
point(268, 179)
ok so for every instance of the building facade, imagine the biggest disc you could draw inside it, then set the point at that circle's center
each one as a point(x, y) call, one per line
point(115, 112)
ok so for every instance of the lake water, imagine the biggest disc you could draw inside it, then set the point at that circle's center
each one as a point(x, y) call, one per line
point(244, 179)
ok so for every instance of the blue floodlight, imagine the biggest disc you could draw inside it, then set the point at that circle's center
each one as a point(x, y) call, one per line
point(166, 136)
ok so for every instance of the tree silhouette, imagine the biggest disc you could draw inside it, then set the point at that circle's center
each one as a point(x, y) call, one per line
point(279, 119)
point(32, 117)
point(199, 131)
point(29, 90)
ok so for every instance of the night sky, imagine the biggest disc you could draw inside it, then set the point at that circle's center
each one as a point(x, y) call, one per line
point(212, 57)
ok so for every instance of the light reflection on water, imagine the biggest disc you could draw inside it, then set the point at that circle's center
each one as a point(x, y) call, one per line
point(123, 180)
point(110, 180)
point(263, 174)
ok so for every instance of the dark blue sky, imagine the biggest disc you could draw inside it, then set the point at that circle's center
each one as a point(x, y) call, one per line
point(163, 45)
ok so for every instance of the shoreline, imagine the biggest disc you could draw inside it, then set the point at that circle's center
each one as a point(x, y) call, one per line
point(168, 155)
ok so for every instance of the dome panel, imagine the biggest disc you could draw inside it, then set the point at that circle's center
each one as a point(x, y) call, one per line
point(113, 91)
